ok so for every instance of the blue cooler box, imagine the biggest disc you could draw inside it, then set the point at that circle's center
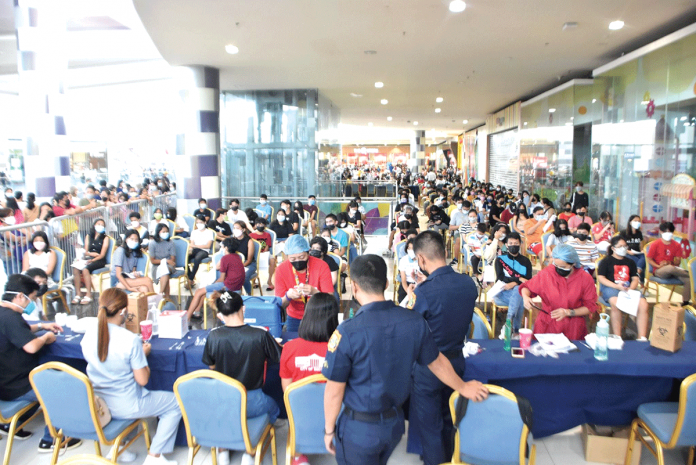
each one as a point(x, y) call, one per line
point(264, 311)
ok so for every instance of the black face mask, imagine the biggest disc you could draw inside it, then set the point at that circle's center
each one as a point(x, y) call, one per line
point(581, 237)
point(300, 265)
point(234, 208)
point(331, 226)
point(514, 249)
point(260, 228)
point(581, 214)
point(567, 209)
point(315, 253)
point(42, 290)
point(561, 272)
point(408, 216)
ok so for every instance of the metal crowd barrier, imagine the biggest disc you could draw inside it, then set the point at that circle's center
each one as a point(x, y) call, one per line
point(14, 241)
point(366, 189)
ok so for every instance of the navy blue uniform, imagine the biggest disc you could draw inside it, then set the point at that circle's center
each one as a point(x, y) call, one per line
point(373, 353)
point(446, 300)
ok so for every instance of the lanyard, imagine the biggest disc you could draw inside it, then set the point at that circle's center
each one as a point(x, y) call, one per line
point(297, 280)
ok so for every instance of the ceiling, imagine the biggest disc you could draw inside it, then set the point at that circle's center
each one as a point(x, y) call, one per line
point(494, 53)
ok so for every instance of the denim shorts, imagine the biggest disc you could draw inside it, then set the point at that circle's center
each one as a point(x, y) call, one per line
point(608, 292)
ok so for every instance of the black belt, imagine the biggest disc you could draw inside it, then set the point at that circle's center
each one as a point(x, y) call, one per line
point(371, 417)
point(452, 354)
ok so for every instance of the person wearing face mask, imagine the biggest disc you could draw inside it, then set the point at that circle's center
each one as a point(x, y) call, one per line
point(508, 213)
point(513, 269)
point(408, 270)
point(262, 236)
point(39, 254)
point(298, 278)
point(124, 262)
point(585, 248)
point(136, 225)
point(634, 239)
point(181, 227)
point(237, 214)
point(220, 226)
point(616, 273)
point(62, 205)
point(534, 204)
point(264, 209)
point(446, 300)
point(203, 210)
point(567, 292)
point(497, 245)
point(290, 216)
point(118, 369)
point(603, 231)
point(97, 245)
point(19, 349)
point(337, 235)
point(311, 208)
point(665, 256)
point(579, 198)
point(246, 248)
point(533, 229)
point(567, 213)
point(231, 278)
point(561, 235)
point(496, 210)
point(157, 218)
point(162, 249)
point(202, 240)
point(319, 248)
point(580, 217)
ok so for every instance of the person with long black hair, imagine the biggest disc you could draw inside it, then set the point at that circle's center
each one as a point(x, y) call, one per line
point(31, 210)
point(124, 274)
point(97, 245)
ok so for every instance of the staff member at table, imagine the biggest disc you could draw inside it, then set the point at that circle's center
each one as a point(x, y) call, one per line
point(368, 366)
point(568, 294)
point(446, 300)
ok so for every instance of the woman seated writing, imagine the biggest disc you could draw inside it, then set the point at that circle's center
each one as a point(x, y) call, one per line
point(124, 273)
point(97, 245)
point(117, 367)
point(568, 294)
point(239, 351)
point(617, 273)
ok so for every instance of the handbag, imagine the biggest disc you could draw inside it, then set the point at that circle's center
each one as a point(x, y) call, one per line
point(103, 412)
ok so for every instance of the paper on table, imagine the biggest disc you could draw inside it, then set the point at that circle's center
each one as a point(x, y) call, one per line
point(162, 269)
point(495, 290)
point(555, 342)
point(628, 302)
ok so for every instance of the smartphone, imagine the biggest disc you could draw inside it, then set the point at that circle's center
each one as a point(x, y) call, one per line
point(517, 352)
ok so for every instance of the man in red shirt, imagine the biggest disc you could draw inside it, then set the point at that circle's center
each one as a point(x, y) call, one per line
point(665, 256)
point(298, 278)
point(62, 205)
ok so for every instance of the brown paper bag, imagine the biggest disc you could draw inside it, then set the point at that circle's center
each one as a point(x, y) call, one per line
point(667, 327)
point(136, 311)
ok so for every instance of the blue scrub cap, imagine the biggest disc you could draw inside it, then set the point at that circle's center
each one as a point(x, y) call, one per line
point(568, 254)
point(296, 244)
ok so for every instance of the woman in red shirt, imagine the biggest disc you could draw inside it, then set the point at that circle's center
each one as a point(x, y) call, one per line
point(567, 291)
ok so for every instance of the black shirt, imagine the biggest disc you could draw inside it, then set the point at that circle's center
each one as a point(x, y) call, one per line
point(617, 271)
point(633, 240)
point(578, 200)
point(15, 363)
point(293, 218)
point(495, 211)
point(223, 228)
point(282, 230)
point(333, 266)
point(240, 353)
point(510, 269)
point(205, 212)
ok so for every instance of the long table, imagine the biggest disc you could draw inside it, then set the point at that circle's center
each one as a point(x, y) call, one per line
point(168, 360)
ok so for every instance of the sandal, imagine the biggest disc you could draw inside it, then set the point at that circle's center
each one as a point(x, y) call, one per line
point(86, 300)
point(76, 300)
point(270, 288)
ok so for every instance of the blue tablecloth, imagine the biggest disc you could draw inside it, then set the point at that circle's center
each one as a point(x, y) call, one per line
point(168, 360)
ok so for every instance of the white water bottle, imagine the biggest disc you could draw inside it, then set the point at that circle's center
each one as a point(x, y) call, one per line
point(152, 315)
point(602, 332)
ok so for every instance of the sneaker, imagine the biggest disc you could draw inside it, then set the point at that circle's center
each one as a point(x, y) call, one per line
point(47, 446)
point(20, 435)
point(642, 339)
point(502, 334)
point(300, 460)
point(196, 316)
point(126, 456)
point(161, 460)
point(223, 457)
point(246, 459)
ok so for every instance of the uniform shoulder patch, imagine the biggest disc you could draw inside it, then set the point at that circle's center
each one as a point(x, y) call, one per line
point(334, 341)
point(410, 303)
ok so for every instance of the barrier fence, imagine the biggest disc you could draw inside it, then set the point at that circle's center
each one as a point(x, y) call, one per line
point(14, 241)
point(365, 189)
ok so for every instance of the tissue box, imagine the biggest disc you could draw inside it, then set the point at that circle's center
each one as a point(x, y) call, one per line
point(173, 324)
point(608, 449)
point(667, 327)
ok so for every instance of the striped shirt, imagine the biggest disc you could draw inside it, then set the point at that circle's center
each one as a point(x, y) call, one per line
point(587, 252)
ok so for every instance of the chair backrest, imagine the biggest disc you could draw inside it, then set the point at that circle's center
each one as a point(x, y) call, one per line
point(596, 275)
point(181, 249)
point(544, 238)
point(400, 250)
point(61, 257)
point(216, 259)
point(274, 238)
point(190, 221)
point(172, 228)
point(257, 251)
point(306, 415)
point(75, 413)
point(143, 264)
point(648, 268)
point(691, 266)
point(479, 327)
point(110, 251)
point(213, 407)
point(686, 435)
point(336, 258)
point(478, 439)
point(690, 323)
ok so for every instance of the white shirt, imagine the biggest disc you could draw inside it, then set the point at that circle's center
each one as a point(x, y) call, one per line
point(202, 236)
point(239, 216)
point(408, 266)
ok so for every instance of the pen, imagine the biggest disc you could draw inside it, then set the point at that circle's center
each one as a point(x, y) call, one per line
point(539, 308)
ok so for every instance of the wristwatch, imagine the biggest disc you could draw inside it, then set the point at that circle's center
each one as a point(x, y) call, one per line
point(572, 312)
point(39, 326)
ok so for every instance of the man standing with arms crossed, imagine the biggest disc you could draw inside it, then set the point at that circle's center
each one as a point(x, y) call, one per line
point(368, 365)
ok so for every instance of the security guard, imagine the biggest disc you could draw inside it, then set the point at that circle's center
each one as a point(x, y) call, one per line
point(368, 365)
point(446, 300)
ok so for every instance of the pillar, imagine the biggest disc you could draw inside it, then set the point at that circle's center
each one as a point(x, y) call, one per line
point(42, 65)
point(417, 160)
point(197, 161)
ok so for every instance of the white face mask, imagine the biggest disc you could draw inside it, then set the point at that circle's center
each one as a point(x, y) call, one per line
point(202, 205)
point(411, 254)
point(237, 233)
point(472, 219)
point(10, 220)
point(135, 224)
point(635, 224)
point(39, 245)
point(621, 251)
point(502, 237)
point(667, 236)
point(200, 226)
point(539, 217)
point(281, 219)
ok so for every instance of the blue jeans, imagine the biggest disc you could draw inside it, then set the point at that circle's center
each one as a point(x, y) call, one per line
point(31, 396)
point(352, 254)
point(259, 404)
point(247, 277)
point(640, 261)
point(515, 305)
point(292, 325)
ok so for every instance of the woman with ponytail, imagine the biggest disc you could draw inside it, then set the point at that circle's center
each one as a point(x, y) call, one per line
point(117, 367)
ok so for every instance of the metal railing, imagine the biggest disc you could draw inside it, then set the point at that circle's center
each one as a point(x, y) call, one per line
point(14, 241)
point(366, 189)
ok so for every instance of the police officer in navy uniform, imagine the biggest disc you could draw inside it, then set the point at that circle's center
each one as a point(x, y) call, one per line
point(368, 366)
point(446, 300)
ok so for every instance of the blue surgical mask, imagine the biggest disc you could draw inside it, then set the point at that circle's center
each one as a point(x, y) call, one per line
point(28, 309)
point(99, 229)
point(311, 202)
point(164, 235)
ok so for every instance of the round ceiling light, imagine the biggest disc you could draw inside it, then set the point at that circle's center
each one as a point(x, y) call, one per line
point(231, 49)
point(552, 110)
point(384, 101)
point(457, 6)
point(616, 25)
point(466, 121)
point(415, 123)
point(439, 100)
point(389, 118)
point(379, 84)
point(438, 110)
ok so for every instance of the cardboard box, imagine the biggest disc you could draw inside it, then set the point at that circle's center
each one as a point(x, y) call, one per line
point(667, 327)
point(136, 311)
point(173, 324)
point(609, 449)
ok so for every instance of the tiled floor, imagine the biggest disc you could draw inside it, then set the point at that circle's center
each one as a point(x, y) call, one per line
point(561, 449)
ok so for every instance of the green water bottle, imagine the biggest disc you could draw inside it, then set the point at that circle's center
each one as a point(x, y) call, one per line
point(508, 334)
point(350, 313)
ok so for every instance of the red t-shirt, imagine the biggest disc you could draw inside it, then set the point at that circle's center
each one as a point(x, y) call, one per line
point(231, 264)
point(319, 277)
point(566, 216)
point(596, 229)
point(660, 252)
point(264, 238)
point(506, 216)
point(302, 358)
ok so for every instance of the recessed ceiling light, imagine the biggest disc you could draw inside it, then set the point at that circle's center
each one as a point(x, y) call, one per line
point(353, 94)
point(438, 110)
point(594, 100)
point(389, 118)
point(616, 25)
point(379, 84)
point(384, 101)
point(525, 123)
point(569, 124)
point(439, 99)
point(415, 123)
point(572, 118)
point(570, 25)
point(370, 52)
point(466, 121)
point(369, 124)
point(457, 6)
point(552, 110)
point(231, 49)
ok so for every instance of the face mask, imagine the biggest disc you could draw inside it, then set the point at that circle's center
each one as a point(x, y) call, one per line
point(260, 228)
point(472, 219)
point(331, 226)
point(281, 219)
point(132, 194)
point(327, 239)
point(312, 202)
point(513, 249)
point(408, 216)
point(343, 225)
point(404, 200)
point(202, 205)
point(635, 224)
point(567, 209)
point(237, 233)
point(582, 237)
point(234, 208)
point(460, 206)
point(200, 226)
point(667, 236)
point(502, 237)
point(581, 214)
point(10, 220)
point(28, 309)
point(561, 272)
point(539, 217)
point(158, 216)
point(300, 265)
point(262, 202)
point(621, 251)
point(39, 245)
point(353, 212)
point(578, 189)
point(43, 288)
point(164, 235)
point(286, 208)
point(315, 253)
point(135, 224)
point(411, 254)
point(99, 229)
point(132, 244)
